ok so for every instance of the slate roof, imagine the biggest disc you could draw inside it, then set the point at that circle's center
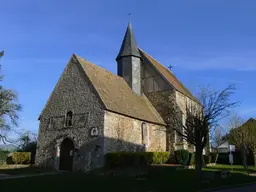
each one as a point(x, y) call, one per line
point(129, 46)
point(168, 75)
point(116, 94)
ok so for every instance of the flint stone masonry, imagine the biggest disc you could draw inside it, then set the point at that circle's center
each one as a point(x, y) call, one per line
point(170, 103)
point(123, 133)
point(73, 92)
point(165, 103)
point(182, 102)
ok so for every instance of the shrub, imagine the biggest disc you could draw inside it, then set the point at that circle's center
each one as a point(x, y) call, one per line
point(214, 157)
point(160, 157)
point(192, 159)
point(21, 157)
point(182, 156)
point(223, 158)
point(3, 156)
point(206, 159)
point(130, 159)
point(172, 159)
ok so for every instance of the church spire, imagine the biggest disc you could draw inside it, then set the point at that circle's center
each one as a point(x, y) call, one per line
point(129, 45)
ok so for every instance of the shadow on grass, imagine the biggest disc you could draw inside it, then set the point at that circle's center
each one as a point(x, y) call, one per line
point(185, 179)
point(232, 169)
point(176, 178)
point(154, 178)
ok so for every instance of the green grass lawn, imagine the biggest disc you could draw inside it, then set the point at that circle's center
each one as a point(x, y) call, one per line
point(158, 178)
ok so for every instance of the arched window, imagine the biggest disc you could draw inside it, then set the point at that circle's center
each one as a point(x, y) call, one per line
point(144, 134)
point(69, 118)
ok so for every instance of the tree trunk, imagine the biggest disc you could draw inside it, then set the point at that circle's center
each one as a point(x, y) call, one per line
point(254, 157)
point(244, 157)
point(199, 161)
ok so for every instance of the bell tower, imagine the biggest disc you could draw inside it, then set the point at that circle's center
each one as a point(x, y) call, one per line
point(129, 61)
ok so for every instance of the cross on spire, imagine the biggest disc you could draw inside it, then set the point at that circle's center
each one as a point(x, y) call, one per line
point(129, 14)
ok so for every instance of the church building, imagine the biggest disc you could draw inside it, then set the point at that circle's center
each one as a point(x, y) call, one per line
point(92, 111)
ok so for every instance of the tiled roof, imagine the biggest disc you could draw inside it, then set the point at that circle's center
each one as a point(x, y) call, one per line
point(129, 46)
point(250, 122)
point(117, 96)
point(168, 75)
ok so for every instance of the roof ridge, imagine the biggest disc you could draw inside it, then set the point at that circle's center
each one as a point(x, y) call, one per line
point(91, 63)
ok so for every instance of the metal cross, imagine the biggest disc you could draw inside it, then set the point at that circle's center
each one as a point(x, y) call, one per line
point(129, 16)
point(170, 67)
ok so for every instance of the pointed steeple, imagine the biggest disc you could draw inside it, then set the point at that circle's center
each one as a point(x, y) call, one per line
point(129, 45)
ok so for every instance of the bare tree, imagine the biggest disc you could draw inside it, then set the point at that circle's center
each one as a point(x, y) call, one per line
point(244, 137)
point(9, 109)
point(218, 138)
point(1, 54)
point(251, 142)
point(236, 136)
point(203, 119)
point(239, 136)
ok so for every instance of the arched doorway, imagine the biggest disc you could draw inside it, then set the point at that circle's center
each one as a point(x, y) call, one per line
point(66, 155)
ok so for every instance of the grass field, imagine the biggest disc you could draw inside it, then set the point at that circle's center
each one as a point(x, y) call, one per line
point(158, 178)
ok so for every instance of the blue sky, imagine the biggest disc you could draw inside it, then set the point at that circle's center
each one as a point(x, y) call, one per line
point(209, 43)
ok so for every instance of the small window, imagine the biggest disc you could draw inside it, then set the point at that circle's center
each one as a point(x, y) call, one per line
point(69, 118)
point(183, 120)
point(50, 123)
point(144, 134)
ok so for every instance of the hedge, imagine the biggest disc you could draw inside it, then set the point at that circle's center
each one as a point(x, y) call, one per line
point(131, 159)
point(192, 158)
point(3, 156)
point(237, 158)
point(182, 156)
point(206, 159)
point(21, 157)
point(214, 157)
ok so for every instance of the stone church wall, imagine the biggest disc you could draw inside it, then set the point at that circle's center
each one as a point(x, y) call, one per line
point(73, 92)
point(123, 133)
point(183, 102)
point(165, 104)
point(151, 80)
